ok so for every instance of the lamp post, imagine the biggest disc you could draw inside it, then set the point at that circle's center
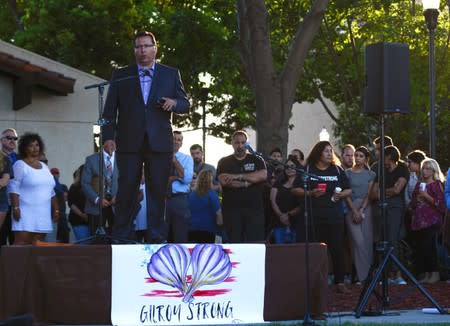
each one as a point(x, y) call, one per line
point(431, 13)
point(204, 98)
point(324, 135)
point(206, 80)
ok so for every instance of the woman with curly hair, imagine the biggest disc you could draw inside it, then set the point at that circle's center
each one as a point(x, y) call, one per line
point(31, 193)
point(206, 214)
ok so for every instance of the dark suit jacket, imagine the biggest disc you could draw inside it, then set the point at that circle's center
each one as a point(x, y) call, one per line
point(127, 116)
point(90, 182)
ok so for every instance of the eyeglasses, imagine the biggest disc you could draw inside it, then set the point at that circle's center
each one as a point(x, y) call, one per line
point(11, 138)
point(144, 46)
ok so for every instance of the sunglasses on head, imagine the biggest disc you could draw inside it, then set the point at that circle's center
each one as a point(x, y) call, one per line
point(11, 137)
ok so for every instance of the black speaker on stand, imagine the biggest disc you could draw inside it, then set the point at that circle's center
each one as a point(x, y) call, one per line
point(387, 78)
point(387, 91)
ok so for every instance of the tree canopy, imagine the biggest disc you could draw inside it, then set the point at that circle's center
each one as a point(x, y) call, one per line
point(206, 36)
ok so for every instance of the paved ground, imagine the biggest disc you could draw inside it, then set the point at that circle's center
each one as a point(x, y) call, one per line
point(416, 317)
point(394, 316)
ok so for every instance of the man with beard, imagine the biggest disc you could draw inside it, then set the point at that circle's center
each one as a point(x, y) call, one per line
point(197, 155)
point(242, 178)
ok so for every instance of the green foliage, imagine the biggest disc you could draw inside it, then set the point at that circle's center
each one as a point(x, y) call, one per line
point(201, 36)
point(337, 61)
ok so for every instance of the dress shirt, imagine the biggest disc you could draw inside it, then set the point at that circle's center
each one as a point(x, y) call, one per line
point(146, 81)
point(182, 185)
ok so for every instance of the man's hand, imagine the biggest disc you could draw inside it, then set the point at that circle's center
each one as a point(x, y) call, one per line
point(169, 104)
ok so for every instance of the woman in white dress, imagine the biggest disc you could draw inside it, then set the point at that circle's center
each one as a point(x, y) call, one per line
point(32, 193)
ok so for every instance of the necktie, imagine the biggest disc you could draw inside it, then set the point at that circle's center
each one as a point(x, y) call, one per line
point(145, 76)
point(108, 175)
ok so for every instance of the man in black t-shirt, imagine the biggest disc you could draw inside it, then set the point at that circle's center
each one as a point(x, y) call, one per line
point(242, 178)
point(396, 176)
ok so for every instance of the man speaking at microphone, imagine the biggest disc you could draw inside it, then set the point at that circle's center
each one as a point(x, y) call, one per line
point(138, 112)
point(242, 177)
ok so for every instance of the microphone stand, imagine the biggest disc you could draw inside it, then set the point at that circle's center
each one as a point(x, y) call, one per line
point(307, 318)
point(100, 232)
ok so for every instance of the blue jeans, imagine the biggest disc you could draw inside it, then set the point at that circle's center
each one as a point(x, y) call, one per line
point(81, 231)
point(284, 234)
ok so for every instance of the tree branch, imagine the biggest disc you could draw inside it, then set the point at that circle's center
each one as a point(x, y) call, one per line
point(302, 42)
point(13, 6)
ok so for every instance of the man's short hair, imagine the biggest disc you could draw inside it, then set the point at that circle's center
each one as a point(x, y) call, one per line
point(9, 130)
point(393, 152)
point(387, 141)
point(239, 132)
point(195, 147)
point(348, 146)
point(276, 150)
point(144, 34)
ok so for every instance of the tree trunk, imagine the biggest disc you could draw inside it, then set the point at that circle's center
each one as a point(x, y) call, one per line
point(274, 93)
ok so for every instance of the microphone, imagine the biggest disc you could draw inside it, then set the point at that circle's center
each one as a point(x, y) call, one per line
point(249, 148)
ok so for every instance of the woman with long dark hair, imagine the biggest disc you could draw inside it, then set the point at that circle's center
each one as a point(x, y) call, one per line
point(326, 194)
point(359, 216)
point(285, 205)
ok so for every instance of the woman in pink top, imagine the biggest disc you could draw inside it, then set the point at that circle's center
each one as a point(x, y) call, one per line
point(427, 209)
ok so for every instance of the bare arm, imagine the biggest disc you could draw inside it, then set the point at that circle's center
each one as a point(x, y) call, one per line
point(4, 180)
point(397, 188)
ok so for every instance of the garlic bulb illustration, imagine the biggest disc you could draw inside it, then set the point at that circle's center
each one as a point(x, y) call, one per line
point(169, 266)
point(210, 265)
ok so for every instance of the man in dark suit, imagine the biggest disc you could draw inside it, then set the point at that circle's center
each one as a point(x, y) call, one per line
point(90, 184)
point(138, 112)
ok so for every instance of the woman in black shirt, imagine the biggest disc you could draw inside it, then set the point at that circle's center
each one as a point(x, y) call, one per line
point(327, 191)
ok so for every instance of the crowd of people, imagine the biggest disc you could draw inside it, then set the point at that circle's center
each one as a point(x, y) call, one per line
point(248, 198)
point(140, 187)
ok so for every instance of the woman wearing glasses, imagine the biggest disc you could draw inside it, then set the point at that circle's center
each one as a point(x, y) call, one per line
point(285, 205)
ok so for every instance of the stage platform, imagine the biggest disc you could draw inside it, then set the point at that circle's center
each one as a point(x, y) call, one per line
point(72, 284)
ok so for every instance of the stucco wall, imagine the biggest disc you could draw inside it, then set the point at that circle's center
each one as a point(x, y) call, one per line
point(64, 122)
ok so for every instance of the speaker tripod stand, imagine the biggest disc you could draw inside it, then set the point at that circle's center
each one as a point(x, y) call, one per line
point(375, 276)
point(385, 250)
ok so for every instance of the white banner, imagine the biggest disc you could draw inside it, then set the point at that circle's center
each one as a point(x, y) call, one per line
point(187, 284)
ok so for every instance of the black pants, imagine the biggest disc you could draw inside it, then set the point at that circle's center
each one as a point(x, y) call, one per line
point(6, 235)
point(333, 236)
point(425, 257)
point(244, 224)
point(196, 236)
point(94, 220)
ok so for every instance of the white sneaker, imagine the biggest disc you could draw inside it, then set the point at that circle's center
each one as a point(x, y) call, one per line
point(399, 281)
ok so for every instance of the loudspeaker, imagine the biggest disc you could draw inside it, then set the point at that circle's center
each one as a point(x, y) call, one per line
point(387, 78)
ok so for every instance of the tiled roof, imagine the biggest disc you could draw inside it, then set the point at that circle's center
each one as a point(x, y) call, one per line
point(27, 75)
